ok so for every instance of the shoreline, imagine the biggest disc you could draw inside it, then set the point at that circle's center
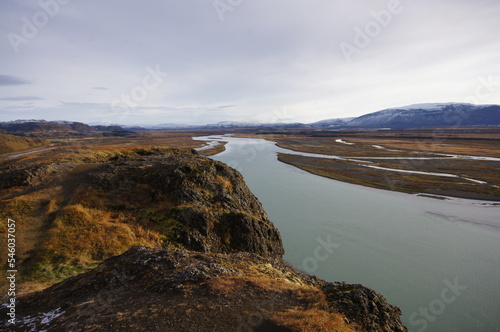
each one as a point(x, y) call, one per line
point(377, 178)
point(389, 186)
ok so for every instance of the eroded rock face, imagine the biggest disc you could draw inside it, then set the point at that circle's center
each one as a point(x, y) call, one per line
point(189, 200)
point(209, 206)
point(179, 290)
point(364, 305)
point(220, 268)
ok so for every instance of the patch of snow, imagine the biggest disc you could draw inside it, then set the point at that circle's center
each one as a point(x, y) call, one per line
point(476, 181)
point(458, 156)
point(413, 172)
point(425, 173)
point(424, 106)
point(343, 142)
point(383, 148)
point(34, 322)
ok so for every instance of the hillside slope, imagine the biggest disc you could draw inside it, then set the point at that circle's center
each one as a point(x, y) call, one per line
point(42, 128)
point(74, 212)
point(178, 290)
point(11, 143)
point(430, 116)
point(204, 257)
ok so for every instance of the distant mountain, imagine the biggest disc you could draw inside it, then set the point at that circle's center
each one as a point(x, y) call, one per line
point(45, 128)
point(428, 116)
point(412, 116)
point(229, 125)
point(107, 127)
point(443, 115)
point(332, 123)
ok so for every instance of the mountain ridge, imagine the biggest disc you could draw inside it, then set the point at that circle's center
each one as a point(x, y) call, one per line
point(429, 115)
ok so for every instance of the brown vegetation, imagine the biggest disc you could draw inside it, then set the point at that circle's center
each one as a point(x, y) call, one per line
point(389, 145)
point(75, 208)
point(95, 197)
point(179, 290)
point(11, 143)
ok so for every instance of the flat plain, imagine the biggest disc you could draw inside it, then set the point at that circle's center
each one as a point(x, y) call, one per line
point(461, 163)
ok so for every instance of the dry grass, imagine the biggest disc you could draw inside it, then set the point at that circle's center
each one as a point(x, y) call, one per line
point(224, 183)
point(215, 150)
point(318, 320)
point(11, 143)
point(84, 235)
point(66, 226)
point(410, 183)
point(80, 238)
point(307, 307)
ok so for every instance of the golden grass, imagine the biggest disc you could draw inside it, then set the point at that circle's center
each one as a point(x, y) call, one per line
point(312, 320)
point(224, 183)
point(11, 143)
point(312, 315)
point(81, 235)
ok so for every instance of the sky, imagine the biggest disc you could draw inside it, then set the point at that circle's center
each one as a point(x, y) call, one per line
point(148, 62)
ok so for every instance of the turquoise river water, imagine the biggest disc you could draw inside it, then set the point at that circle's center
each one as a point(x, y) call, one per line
point(437, 260)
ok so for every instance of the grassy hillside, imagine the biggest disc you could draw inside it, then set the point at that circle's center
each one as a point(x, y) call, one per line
point(73, 210)
point(11, 143)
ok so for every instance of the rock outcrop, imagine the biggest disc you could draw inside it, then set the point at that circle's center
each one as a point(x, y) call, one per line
point(211, 208)
point(98, 205)
point(182, 243)
point(178, 290)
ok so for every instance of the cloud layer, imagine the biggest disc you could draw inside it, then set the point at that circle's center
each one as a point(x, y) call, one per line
point(153, 62)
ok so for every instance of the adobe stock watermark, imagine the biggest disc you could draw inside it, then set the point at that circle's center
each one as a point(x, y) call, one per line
point(321, 253)
point(151, 81)
point(486, 87)
point(363, 36)
point(31, 27)
point(91, 310)
point(222, 7)
point(255, 319)
point(425, 315)
point(250, 150)
point(281, 116)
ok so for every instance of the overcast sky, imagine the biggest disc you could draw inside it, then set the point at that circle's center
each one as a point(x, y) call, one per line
point(205, 61)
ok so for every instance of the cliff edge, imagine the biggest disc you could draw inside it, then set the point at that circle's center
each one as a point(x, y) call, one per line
point(161, 240)
point(177, 290)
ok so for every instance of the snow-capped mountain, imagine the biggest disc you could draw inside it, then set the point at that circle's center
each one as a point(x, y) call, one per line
point(435, 115)
point(227, 125)
point(332, 123)
point(428, 116)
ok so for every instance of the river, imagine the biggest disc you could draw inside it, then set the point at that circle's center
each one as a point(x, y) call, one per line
point(437, 260)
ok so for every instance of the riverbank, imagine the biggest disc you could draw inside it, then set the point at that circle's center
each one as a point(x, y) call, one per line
point(462, 165)
point(410, 183)
point(405, 246)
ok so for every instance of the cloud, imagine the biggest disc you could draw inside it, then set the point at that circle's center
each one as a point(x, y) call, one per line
point(264, 56)
point(12, 80)
point(21, 98)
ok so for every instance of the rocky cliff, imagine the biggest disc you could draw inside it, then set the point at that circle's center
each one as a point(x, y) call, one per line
point(178, 290)
point(208, 258)
point(75, 212)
